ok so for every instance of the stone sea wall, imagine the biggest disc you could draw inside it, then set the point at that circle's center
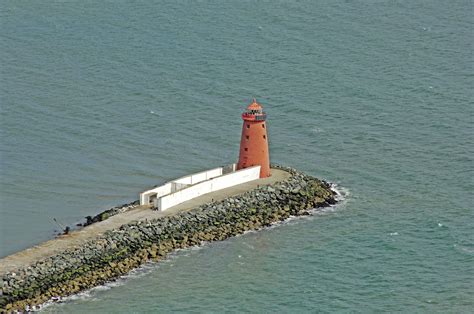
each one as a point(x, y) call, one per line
point(116, 252)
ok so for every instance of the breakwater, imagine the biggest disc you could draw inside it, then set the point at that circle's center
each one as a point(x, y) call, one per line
point(117, 251)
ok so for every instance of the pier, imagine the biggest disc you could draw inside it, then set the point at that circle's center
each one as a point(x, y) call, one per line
point(144, 212)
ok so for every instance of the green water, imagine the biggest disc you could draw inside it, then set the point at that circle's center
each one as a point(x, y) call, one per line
point(100, 100)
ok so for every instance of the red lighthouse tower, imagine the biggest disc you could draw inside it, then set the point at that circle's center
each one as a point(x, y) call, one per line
point(254, 141)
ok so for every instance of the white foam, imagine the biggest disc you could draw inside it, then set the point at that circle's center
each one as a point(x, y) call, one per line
point(195, 248)
point(342, 193)
point(393, 233)
point(245, 232)
point(249, 231)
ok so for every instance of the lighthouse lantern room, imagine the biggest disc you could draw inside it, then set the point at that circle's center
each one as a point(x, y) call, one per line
point(254, 140)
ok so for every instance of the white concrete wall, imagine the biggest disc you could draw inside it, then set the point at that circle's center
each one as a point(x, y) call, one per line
point(191, 192)
point(183, 183)
point(229, 168)
point(156, 192)
point(208, 186)
point(178, 186)
point(235, 178)
point(200, 176)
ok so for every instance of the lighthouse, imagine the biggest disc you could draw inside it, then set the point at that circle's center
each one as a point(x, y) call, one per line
point(254, 140)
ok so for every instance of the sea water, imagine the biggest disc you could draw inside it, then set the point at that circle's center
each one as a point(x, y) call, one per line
point(101, 100)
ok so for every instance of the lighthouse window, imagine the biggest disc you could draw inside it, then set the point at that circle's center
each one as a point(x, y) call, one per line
point(247, 137)
point(246, 149)
point(248, 126)
point(264, 137)
point(263, 126)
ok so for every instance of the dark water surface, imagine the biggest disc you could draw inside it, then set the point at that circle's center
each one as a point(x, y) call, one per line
point(100, 100)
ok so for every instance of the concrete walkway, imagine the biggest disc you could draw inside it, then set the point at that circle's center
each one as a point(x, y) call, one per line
point(76, 238)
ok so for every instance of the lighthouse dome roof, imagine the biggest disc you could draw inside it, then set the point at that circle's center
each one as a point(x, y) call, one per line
point(254, 106)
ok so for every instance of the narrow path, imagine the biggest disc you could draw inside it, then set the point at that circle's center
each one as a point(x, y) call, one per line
point(76, 238)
